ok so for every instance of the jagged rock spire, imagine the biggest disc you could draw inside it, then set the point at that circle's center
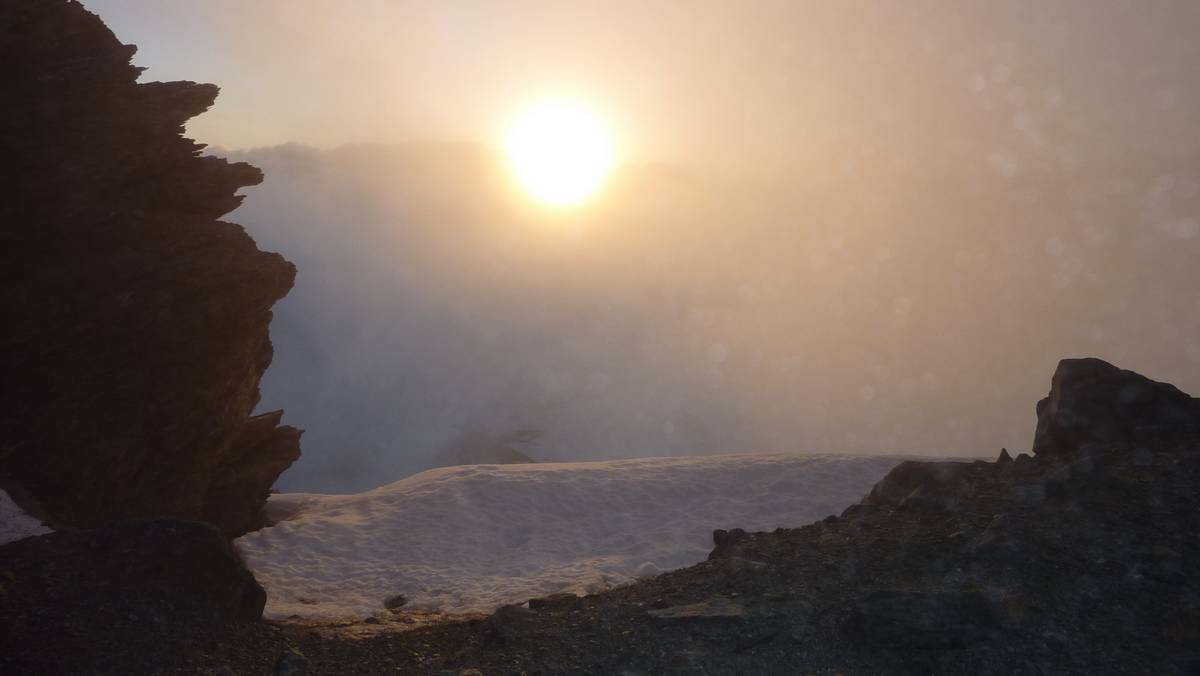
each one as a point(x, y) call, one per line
point(135, 322)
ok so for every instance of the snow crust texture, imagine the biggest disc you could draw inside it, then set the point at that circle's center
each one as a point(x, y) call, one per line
point(15, 523)
point(471, 538)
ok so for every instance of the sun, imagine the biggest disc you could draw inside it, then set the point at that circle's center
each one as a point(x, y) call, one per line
point(561, 152)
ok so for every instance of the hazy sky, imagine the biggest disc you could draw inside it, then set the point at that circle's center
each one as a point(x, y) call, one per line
point(772, 86)
point(681, 315)
point(845, 226)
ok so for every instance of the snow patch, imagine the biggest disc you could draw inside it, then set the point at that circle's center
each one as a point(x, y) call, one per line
point(471, 538)
point(15, 523)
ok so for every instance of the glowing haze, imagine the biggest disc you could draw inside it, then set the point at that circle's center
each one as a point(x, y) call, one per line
point(560, 151)
point(771, 86)
point(861, 226)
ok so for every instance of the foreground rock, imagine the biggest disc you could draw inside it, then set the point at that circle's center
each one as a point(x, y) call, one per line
point(135, 322)
point(106, 600)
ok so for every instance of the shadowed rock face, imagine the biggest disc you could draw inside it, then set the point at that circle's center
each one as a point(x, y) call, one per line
point(1092, 401)
point(240, 486)
point(134, 322)
point(113, 597)
point(185, 561)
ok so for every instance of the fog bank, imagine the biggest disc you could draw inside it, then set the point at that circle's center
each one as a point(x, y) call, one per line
point(870, 311)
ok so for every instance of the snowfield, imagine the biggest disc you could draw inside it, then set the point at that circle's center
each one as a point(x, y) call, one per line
point(471, 538)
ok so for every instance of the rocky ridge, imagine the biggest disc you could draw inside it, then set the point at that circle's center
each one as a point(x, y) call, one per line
point(136, 321)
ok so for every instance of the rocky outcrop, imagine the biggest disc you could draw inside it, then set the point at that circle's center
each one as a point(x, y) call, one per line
point(135, 322)
point(913, 482)
point(1094, 402)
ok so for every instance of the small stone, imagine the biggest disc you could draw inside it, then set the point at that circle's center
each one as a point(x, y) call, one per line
point(395, 602)
point(725, 538)
point(371, 620)
point(714, 608)
point(291, 662)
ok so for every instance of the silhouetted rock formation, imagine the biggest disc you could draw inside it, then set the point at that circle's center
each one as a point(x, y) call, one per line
point(1092, 401)
point(135, 323)
point(912, 482)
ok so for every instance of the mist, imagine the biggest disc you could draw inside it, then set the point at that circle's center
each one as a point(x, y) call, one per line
point(794, 88)
point(687, 313)
point(865, 228)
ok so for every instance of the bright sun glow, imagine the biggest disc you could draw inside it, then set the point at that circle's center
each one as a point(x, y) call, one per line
point(561, 152)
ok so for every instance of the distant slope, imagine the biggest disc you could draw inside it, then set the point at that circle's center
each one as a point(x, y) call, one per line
point(478, 448)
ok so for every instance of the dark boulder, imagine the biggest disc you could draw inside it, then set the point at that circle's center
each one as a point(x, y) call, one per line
point(290, 663)
point(726, 541)
point(1094, 402)
point(135, 322)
